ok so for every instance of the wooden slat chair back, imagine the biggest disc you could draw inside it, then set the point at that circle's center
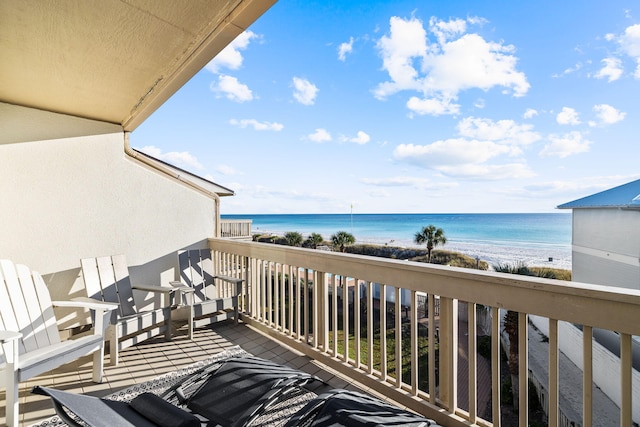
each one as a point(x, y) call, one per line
point(107, 279)
point(31, 343)
point(214, 296)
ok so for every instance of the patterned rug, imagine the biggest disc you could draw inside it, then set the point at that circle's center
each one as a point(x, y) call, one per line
point(276, 415)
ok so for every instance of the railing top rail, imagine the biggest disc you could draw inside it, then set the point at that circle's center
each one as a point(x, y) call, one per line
point(607, 307)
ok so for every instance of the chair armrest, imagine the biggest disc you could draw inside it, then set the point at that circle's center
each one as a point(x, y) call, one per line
point(154, 288)
point(8, 336)
point(86, 302)
point(234, 280)
point(184, 293)
point(181, 286)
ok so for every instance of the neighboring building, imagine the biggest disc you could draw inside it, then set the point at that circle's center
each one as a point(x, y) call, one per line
point(606, 237)
point(75, 78)
point(605, 251)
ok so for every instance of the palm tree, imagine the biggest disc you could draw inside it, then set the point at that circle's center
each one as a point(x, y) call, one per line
point(432, 236)
point(342, 239)
point(314, 240)
point(293, 238)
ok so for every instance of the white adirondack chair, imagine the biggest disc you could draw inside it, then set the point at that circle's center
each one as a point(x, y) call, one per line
point(29, 335)
point(214, 296)
point(107, 279)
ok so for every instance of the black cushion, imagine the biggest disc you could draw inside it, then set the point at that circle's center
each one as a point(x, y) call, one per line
point(163, 413)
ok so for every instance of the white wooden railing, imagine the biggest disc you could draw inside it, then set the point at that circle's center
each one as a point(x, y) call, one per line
point(388, 348)
point(235, 228)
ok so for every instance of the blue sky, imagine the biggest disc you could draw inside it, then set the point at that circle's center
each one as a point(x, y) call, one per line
point(413, 106)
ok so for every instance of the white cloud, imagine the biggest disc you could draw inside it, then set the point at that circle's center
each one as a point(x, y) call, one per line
point(406, 43)
point(565, 145)
point(361, 138)
point(232, 89)
point(230, 57)
point(504, 131)
point(488, 172)
point(439, 70)
point(612, 69)
point(320, 135)
point(463, 158)
point(607, 114)
point(182, 159)
point(449, 152)
point(226, 170)
point(630, 44)
point(433, 107)
point(530, 113)
point(256, 125)
point(407, 181)
point(570, 70)
point(304, 91)
point(344, 49)
point(568, 116)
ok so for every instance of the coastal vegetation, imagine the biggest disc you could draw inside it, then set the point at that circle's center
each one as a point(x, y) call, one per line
point(293, 238)
point(432, 236)
point(342, 239)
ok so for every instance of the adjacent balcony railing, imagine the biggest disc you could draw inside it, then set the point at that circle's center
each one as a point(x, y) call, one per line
point(235, 229)
point(394, 325)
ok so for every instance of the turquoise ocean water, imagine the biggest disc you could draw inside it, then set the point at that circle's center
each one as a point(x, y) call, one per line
point(495, 238)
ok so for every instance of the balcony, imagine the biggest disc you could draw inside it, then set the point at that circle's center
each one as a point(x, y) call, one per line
point(306, 299)
point(413, 339)
point(235, 229)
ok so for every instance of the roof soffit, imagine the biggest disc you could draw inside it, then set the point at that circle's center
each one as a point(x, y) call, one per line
point(110, 60)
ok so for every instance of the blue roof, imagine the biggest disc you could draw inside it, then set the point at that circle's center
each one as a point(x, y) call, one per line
point(623, 196)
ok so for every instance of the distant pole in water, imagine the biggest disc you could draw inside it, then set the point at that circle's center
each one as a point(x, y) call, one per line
point(351, 218)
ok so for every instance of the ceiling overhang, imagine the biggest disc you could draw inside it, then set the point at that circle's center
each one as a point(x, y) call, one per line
point(112, 61)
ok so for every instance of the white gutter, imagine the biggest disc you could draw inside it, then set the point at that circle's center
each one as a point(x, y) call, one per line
point(166, 171)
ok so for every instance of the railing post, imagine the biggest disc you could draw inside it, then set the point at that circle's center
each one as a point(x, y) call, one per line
point(321, 316)
point(448, 352)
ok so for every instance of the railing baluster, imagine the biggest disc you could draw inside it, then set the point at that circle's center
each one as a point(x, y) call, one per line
point(270, 293)
point(283, 298)
point(554, 399)
point(345, 319)
point(305, 306)
point(298, 302)
point(276, 296)
point(383, 332)
point(398, 350)
point(495, 366)
point(356, 321)
point(473, 365)
point(626, 368)
point(323, 313)
point(587, 376)
point(334, 302)
point(414, 342)
point(370, 327)
point(523, 371)
point(431, 358)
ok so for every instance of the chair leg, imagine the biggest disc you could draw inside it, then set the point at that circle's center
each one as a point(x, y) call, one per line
point(98, 364)
point(113, 350)
point(12, 392)
point(190, 322)
point(168, 333)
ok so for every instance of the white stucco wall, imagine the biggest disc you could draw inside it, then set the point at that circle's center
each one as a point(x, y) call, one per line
point(606, 365)
point(606, 247)
point(65, 199)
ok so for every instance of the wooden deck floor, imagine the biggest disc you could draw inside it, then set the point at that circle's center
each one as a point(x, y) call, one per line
point(156, 357)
